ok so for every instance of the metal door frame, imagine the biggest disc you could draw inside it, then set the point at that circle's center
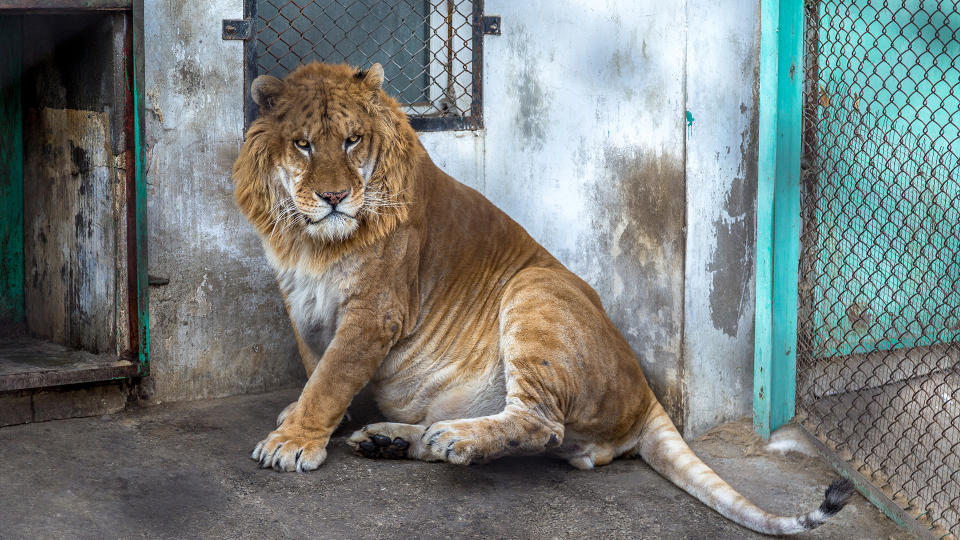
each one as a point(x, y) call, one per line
point(136, 192)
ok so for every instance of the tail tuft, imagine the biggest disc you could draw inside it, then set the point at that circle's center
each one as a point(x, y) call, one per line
point(837, 496)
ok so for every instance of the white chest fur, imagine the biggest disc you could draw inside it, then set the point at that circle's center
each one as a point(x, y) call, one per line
point(314, 300)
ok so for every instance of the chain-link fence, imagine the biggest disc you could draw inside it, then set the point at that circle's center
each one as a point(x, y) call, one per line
point(879, 303)
point(429, 49)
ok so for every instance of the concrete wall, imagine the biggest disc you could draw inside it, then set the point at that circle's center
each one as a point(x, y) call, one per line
point(619, 133)
point(622, 135)
point(723, 43)
point(219, 327)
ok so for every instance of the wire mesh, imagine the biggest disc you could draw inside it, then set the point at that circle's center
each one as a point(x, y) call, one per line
point(426, 47)
point(879, 293)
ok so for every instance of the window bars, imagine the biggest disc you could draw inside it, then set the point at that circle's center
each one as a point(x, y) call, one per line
point(430, 50)
point(878, 352)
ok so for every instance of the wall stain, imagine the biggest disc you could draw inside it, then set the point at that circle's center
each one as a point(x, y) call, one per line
point(639, 221)
point(623, 64)
point(153, 104)
point(733, 258)
point(187, 78)
point(532, 111)
point(533, 99)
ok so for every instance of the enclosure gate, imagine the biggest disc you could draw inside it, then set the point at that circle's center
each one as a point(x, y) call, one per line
point(878, 379)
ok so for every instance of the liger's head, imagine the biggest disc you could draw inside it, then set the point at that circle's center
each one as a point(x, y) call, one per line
point(317, 147)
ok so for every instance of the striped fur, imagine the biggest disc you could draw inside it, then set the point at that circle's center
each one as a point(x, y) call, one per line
point(477, 342)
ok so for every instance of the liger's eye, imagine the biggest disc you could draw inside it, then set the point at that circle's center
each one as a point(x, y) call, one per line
point(353, 139)
point(302, 144)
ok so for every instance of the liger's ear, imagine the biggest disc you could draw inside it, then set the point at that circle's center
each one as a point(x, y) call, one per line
point(372, 78)
point(265, 90)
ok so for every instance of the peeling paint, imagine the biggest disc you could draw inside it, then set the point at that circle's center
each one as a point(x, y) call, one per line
point(152, 104)
point(733, 259)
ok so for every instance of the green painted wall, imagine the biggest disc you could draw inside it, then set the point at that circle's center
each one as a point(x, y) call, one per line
point(889, 208)
point(11, 171)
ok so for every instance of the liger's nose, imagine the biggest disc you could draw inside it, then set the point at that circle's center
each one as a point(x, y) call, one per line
point(333, 197)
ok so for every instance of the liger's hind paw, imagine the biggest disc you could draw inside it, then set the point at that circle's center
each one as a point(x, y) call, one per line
point(379, 446)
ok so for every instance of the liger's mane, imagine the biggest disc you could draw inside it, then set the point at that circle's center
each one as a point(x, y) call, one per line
point(257, 193)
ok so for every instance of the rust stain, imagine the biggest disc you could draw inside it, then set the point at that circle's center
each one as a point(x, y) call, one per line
point(859, 316)
point(824, 97)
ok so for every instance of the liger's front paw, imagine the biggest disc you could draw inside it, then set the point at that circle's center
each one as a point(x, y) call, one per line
point(285, 413)
point(285, 451)
point(289, 409)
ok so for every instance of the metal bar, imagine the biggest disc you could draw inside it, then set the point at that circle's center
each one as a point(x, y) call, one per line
point(140, 204)
point(766, 165)
point(778, 213)
point(122, 369)
point(786, 213)
point(441, 123)
point(71, 5)
point(130, 160)
point(249, 64)
point(11, 170)
point(811, 75)
point(476, 104)
point(869, 491)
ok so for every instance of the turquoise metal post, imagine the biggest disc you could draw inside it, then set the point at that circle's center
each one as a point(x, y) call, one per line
point(766, 164)
point(778, 213)
point(142, 290)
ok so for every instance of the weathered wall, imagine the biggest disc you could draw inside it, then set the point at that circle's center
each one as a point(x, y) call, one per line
point(584, 147)
point(219, 327)
point(73, 179)
point(721, 170)
point(622, 136)
point(587, 144)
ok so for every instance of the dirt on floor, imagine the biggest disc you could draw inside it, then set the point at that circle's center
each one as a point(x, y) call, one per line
point(183, 471)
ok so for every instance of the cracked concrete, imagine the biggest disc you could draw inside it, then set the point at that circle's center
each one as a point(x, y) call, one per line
point(182, 470)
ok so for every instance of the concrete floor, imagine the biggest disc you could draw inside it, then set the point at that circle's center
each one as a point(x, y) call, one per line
point(182, 470)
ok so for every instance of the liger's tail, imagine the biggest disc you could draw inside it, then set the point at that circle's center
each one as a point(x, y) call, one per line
point(666, 452)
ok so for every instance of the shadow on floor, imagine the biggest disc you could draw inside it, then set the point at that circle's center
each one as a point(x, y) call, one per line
point(182, 470)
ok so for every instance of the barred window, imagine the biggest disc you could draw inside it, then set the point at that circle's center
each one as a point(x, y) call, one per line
point(429, 49)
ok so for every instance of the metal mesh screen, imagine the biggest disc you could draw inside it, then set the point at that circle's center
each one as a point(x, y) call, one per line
point(879, 303)
point(426, 47)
